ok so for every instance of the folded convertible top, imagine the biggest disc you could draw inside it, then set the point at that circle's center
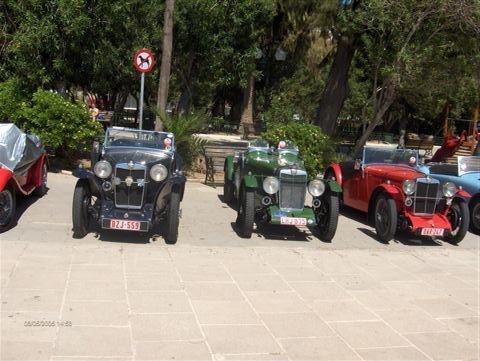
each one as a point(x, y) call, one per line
point(18, 151)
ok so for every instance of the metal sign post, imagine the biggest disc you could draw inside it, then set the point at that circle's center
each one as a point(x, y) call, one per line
point(140, 107)
point(143, 61)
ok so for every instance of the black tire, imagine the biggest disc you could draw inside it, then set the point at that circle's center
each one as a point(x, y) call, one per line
point(327, 217)
point(227, 190)
point(82, 199)
point(246, 213)
point(173, 216)
point(42, 189)
point(8, 203)
point(475, 215)
point(459, 218)
point(385, 218)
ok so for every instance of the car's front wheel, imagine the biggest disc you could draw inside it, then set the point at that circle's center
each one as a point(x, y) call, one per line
point(475, 215)
point(385, 218)
point(327, 217)
point(459, 219)
point(7, 208)
point(173, 216)
point(246, 213)
point(82, 199)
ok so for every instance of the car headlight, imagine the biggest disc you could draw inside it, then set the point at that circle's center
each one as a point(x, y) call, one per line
point(102, 169)
point(316, 187)
point(449, 189)
point(271, 185)
point(158, 172)
point(408, 187)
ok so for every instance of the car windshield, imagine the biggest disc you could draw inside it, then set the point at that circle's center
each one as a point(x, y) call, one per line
point(259, 144)
point(390, 156)
point(287, 145)
point(123, 137)
point(468, 164)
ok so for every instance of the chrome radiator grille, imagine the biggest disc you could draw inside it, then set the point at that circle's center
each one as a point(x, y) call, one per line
point(129, 196)
point(292, 189)
point(426, 196)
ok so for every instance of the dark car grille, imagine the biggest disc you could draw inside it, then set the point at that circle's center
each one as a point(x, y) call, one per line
point(426, 196)
point(292, 189)
point(130, 196)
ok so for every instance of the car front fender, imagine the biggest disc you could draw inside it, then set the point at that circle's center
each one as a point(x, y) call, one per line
point(333, 186)
point(228, 168)
point(336, 171)
point(249, 181)
point(462, 195)
point(93, 181)
point(175, 182)
point(5, 176)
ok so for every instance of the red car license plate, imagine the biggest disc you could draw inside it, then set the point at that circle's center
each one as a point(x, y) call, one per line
point(293, 221)
point(125, 225)
point(432, 232)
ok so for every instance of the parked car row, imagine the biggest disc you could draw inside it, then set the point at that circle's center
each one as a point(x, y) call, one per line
point(137, 184)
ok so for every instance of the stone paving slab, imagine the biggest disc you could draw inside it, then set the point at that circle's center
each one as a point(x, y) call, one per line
point(230, 299)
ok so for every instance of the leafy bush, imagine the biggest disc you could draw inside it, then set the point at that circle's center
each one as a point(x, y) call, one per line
point(60, 124)
point(316, 149)
point(183, 127)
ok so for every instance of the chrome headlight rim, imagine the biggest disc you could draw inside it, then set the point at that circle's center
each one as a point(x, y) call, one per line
point(158, 172)
point(408, 187)
point(102, 169)
point(449, 189)
point(316, 187)
point(271, 185)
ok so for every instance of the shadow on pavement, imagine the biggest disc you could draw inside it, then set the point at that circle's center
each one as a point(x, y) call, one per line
point(404, 238)
point(22, 204)
point(278, 233)
point(126, 237)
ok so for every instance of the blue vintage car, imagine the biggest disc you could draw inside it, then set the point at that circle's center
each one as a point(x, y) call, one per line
point(465, 174)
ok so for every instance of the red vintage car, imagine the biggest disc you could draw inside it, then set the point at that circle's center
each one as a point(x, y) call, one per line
point(23, 170)
point(396, 196)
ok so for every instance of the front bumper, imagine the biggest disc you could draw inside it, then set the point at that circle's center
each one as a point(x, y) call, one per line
point(109, 213)
point(291, 217)
point(437, 221)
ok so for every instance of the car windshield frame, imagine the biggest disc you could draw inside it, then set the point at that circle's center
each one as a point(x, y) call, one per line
point(390, 156)
point(259, 145)
point(117, 137)
point(468, 164)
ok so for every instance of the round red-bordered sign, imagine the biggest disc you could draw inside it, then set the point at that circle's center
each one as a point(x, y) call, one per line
point(144, 60)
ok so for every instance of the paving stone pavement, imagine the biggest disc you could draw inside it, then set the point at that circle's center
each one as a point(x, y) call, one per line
point(224, 298)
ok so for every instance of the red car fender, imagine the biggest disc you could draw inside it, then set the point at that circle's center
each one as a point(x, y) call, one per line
point(35, 172)
point(335, 169)
point(437, 221)
point(5, 176)
point(463, 194)
point(393, 191)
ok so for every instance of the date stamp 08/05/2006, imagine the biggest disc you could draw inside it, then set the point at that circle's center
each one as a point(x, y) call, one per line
point(47, 323)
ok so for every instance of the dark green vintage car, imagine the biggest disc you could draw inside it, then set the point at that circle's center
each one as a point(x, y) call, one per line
point(270, 185)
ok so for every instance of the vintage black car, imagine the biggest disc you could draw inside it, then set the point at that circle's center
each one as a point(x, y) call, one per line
point(136, 185)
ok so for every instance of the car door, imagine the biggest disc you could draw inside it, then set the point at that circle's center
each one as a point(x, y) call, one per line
point(355, 189)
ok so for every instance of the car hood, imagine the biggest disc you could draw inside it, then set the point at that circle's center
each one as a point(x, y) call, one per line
point(136, 155)
point(395, 173)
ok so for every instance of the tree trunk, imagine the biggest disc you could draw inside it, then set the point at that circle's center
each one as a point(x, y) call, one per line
point(163, 83)
point(386, 97)
point(187, 82)
point(336, 89)
point(246, 121)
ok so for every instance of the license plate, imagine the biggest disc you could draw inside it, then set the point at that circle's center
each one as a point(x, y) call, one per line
point(432, 232)
point(124, 225)
point(293, 221)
